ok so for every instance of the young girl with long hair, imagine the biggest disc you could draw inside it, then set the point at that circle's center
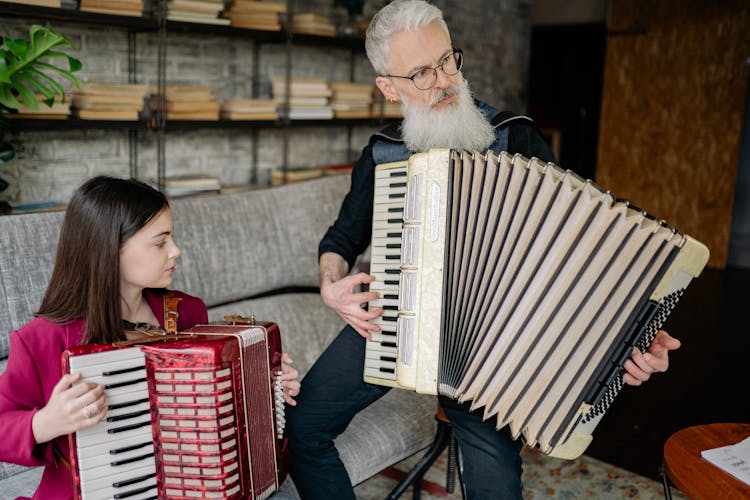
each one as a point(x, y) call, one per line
point(115, 259)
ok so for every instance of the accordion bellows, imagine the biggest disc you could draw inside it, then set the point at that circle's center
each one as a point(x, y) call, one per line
point(200, 416)
point(522, 288)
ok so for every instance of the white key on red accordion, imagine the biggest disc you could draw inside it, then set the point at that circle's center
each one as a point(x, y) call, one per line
point(107, 466)
point(113, 481)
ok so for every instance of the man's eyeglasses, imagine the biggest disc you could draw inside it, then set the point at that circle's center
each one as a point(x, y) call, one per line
point(425, 78)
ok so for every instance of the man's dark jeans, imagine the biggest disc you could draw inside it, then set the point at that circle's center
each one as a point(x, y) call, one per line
point(333, 392)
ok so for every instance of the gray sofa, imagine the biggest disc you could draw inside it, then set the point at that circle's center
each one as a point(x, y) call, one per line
point(250, 253)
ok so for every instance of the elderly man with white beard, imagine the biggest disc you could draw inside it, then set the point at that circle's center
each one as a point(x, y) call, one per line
point(410, 48)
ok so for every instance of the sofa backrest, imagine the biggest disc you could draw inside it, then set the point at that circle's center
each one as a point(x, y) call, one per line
point(233, 246)
point(240, 245)
point(28, 244)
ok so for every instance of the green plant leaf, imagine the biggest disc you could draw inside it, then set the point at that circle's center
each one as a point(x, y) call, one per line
point(4, 73)
point(7, 99)
point(28, 96)
point(66, 74)
point(17, 47)
point(47, 90)
point(57, 89)
point(24, 71)
point(73, 63)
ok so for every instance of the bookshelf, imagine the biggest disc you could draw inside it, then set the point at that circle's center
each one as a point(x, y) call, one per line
point(155, 121)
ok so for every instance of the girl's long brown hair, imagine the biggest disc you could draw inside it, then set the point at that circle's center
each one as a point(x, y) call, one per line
point(102, 214)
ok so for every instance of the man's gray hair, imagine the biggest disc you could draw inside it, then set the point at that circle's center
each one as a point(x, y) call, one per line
point(399, 15)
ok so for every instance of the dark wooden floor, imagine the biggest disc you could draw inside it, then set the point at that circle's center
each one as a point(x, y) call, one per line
point(708, 379)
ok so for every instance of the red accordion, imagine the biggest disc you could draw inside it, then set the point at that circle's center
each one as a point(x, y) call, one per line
point(197, 416)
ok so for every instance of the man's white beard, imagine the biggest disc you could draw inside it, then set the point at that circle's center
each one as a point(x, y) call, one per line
point(459, 125)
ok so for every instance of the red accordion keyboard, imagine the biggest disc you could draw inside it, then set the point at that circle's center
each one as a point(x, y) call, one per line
point(196, 417)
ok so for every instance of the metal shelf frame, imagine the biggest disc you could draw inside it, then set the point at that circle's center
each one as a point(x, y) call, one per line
point(156, 121)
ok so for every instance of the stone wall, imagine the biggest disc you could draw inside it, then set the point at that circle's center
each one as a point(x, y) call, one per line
point(51, 164)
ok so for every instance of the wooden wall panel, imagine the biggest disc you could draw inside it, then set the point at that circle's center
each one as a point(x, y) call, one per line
point(675, 78)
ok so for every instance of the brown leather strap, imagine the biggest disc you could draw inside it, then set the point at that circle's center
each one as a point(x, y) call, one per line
point(59, 457)
point(170, 313)
point(440, 414)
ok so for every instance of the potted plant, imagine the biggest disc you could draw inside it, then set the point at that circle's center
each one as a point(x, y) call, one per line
point(26, 73)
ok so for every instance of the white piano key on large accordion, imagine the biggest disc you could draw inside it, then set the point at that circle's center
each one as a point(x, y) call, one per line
point(385, 262)
point(523, 289)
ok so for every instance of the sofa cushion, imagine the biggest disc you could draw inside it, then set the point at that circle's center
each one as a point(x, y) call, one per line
point(396, 426)
point(27, 253)
point(240, 245)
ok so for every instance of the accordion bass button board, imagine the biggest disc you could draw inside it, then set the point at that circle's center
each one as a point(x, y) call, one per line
point(523, 289)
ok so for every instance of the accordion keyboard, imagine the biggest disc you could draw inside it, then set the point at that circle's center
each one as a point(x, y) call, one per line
point(116, 456)
point(388, 208)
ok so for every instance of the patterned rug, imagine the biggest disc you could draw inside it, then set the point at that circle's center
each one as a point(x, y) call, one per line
point(543, 477)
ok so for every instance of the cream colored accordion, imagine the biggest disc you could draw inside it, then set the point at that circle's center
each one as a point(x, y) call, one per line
point(517, 286)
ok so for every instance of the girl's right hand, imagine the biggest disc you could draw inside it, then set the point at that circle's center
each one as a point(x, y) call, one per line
point(69, 409)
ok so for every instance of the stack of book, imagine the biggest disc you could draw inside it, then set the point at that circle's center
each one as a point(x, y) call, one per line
point(255, 15)
point(384, 108)
point(196, 11)
point(308, 97)
point(313, 24)
point(39, 3)
point(191, 184)
point(280, 176)
point(59, 110)
point(109, 101)
point(351, 100)
point(189, 103)
point(249, 109)
point(114, 7)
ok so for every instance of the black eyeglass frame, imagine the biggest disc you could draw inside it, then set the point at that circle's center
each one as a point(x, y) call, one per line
point(458, 56)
